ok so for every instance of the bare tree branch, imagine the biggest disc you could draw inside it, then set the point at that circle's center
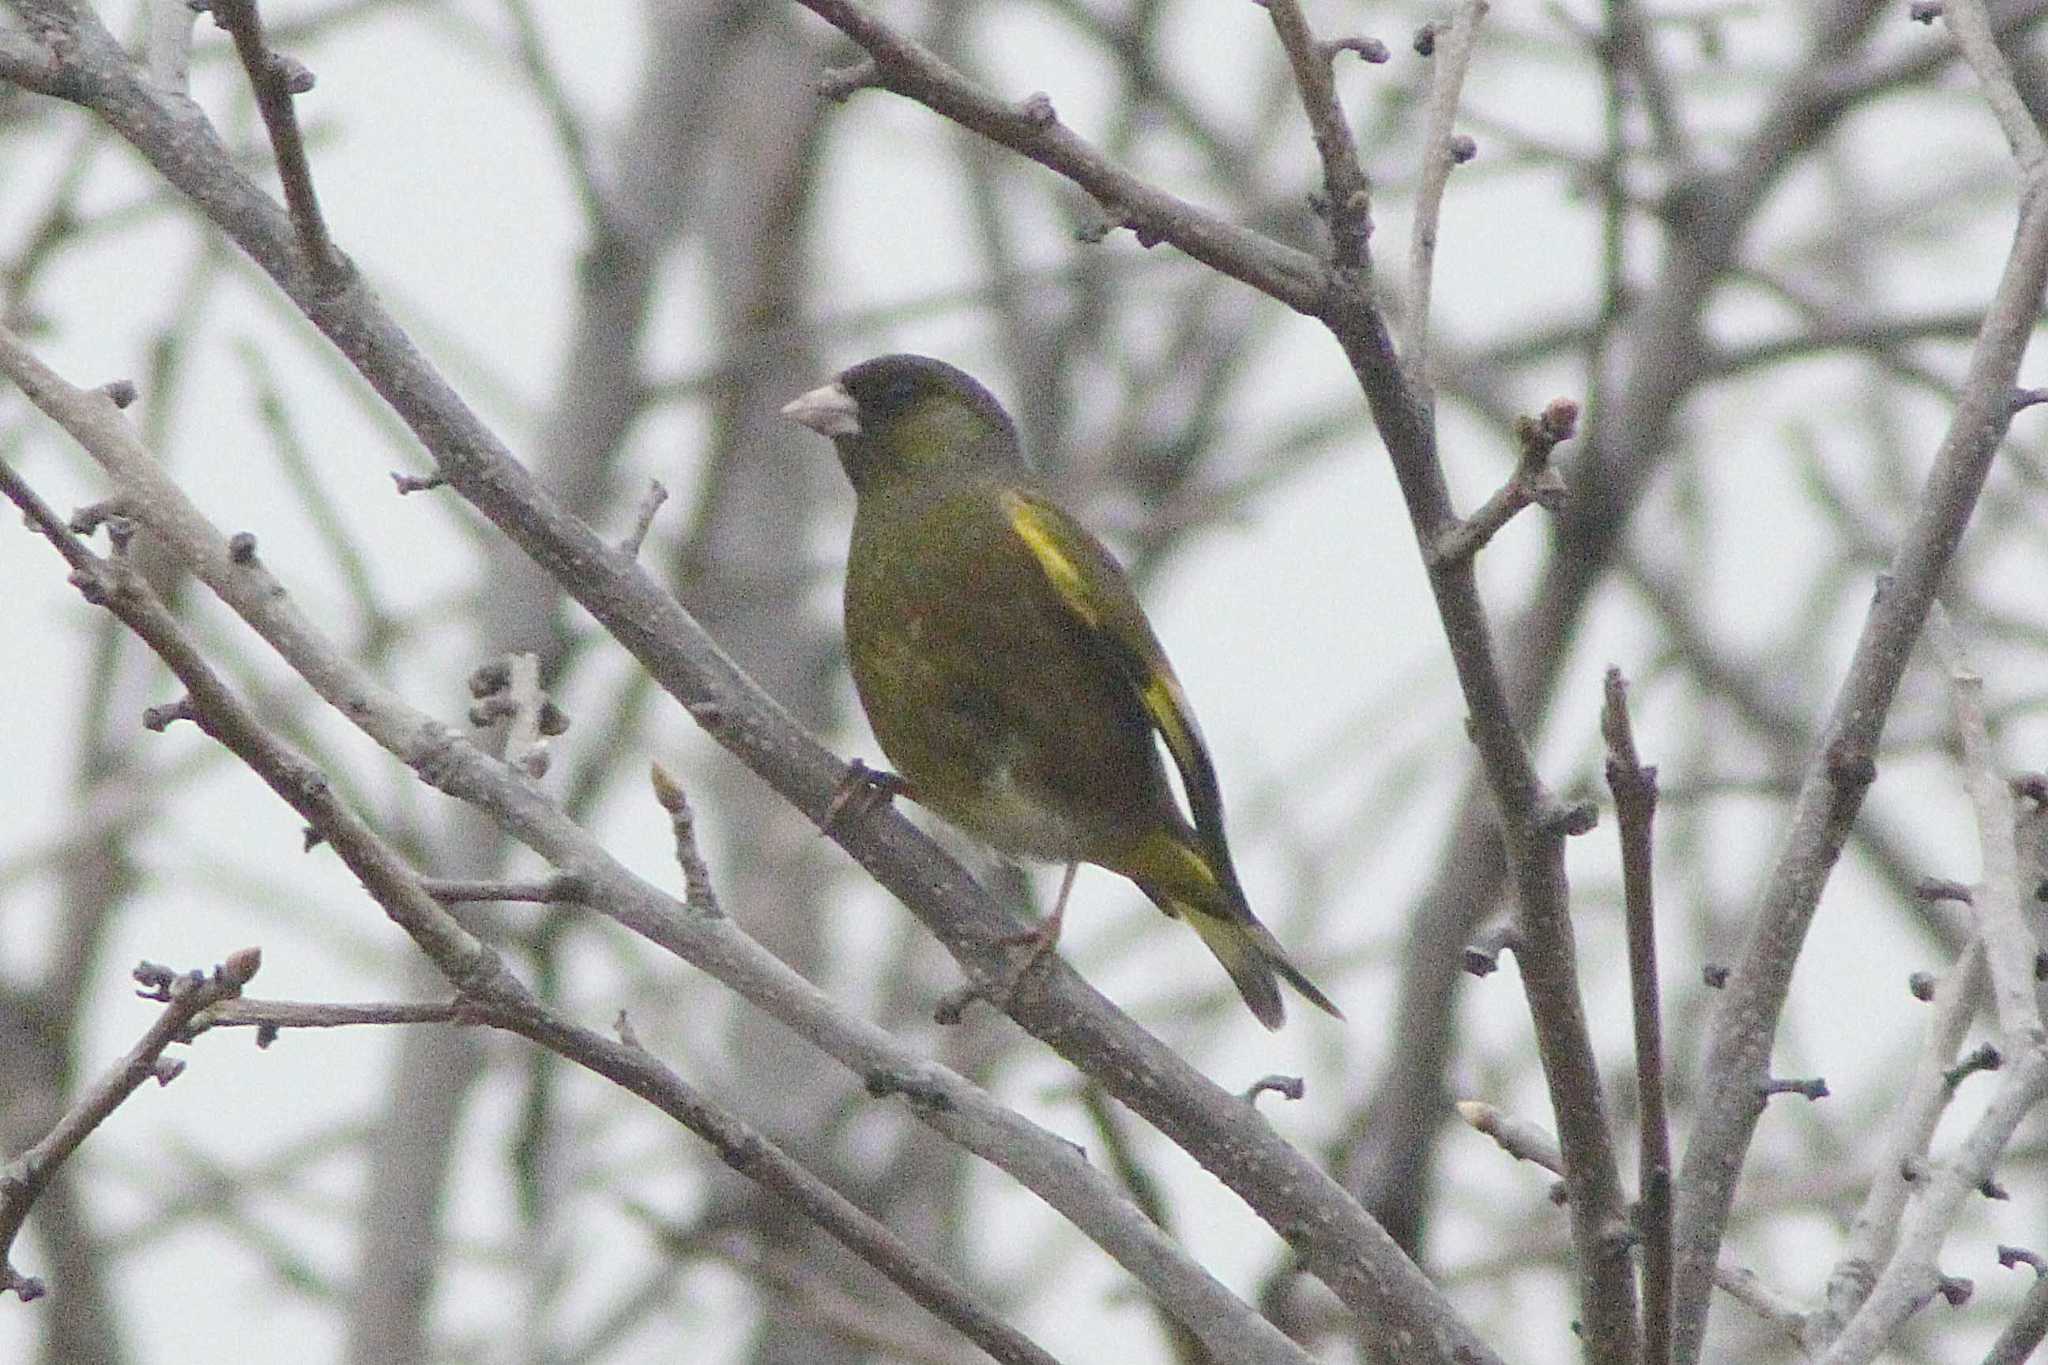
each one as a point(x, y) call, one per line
point(185, 995)
point(1840, 774)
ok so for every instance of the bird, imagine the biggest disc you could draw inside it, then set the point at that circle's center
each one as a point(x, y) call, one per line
point(1008, 670)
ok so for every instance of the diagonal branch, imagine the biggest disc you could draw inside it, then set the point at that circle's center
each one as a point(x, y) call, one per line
point(1337, 1240)
point(1832, 791)
point(1032, 129)
point(186, 994)
point(1535, 823)
point(955, 1107)
point(488, 992)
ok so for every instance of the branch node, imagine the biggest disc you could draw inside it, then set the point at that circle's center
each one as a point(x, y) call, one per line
point(292, 74)
point(93, 515)
point(1942, 889)
point(416, 483)
point(1955, 1289)
point(1618, 1239)
point(623, 1027)
point(1425, 38)
point(1568, 819)
point(1482, 955)
point(1534, 481)
point(1922, 985)
point(1986, 1057)
point(2012, 1256)
point(1038, 111)
point(161, 718)
point(643, 518)
point(923, 1092)
point(120, 392)
point(1714, 975)
point(157, 982)
point(1924, 12)
point(1368, 49)
point(1462, 148)
point(1813, 1088)
point(1287, 1087)
point(842, 83)
point(242, 548)
point(861, 793)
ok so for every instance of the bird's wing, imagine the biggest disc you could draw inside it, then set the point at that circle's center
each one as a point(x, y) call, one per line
point(1099, 600)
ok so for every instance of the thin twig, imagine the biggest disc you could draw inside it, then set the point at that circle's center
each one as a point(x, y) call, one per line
point(547, 890)
point(270, 1016)
point(2009, 945)
point(1033, 130)
point(1905, 1137)
point(643, 518)
point(185, 994)
point(562, 117)
point(698, 892)
point(1526, 1141)
point(1347, 205)
point(1972, 28)
point(1535, 480)
point(1450, 61)
point(1635, 810)
point(2023, 1335)
point(1912, 1276)
point(276, 80)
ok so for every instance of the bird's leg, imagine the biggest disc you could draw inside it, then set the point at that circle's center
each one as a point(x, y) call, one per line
point(863, 791)
point(1047, 934)
point(1040, 940)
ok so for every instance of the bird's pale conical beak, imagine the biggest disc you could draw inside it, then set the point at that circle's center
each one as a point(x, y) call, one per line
point(828, 410)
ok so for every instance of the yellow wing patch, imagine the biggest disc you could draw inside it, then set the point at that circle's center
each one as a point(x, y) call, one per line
point(1168, 707)
point(1029, 524)
point(1158, 689)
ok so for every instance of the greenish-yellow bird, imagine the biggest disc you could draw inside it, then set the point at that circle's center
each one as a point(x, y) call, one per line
point(1009, 672)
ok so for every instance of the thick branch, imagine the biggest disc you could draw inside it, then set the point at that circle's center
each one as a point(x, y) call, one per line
point(1336, 1239)
point(1836, 779)
point(939, 1097)
point(489, 993)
